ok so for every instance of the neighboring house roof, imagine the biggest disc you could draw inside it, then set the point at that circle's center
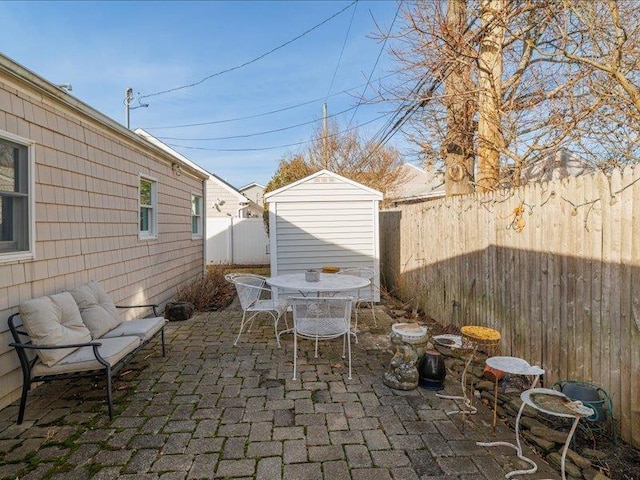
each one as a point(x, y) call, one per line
point(554, 165)
point(311, 177)
point(418, 184)
point(252, 184)
point(150, 138)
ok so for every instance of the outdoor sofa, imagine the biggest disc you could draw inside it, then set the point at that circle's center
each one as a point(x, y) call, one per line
point(77, 334)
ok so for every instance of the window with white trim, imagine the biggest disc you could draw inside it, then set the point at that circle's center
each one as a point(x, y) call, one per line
point(16, 199)
point(148, 200)
point(196, 216)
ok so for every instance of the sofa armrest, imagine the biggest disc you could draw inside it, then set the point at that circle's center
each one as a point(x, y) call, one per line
point(154, 306)
point(28, 365)
point(31, 346)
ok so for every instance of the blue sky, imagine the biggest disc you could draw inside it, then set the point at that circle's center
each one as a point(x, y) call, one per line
point(101, 48)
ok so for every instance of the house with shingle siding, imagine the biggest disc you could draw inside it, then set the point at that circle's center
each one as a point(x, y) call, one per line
point(82, 198)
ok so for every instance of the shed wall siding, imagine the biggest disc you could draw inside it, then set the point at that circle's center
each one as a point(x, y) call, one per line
point(86, 213)
point(315, 234)
point(321, 220)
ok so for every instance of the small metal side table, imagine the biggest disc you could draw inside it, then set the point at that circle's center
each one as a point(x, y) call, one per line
point(514, 366)
point(553, 403)
point(474, 338)
point(567, 409)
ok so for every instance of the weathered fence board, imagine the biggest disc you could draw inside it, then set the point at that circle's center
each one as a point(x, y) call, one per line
point(554, 267)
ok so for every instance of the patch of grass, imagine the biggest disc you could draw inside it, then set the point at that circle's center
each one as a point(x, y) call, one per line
point(93, 468)
point(32, 460)
point(257, 269)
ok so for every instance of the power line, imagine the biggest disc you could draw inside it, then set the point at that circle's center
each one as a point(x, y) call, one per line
point(384, 43)
point(272, 147)
point(441, 75)
point(247, 135)
point(249, 117)
point(259, 57)
point(344, 44)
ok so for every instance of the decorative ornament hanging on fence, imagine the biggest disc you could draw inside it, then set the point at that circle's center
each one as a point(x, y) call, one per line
point(517, 222)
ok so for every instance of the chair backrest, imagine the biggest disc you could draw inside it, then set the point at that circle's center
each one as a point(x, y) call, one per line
point(321, 317)
point(18, 331)
point(362, 272)
point(248, 286)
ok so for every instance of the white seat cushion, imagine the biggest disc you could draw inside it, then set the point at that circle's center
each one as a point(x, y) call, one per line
point(54, 320)
point(81, 360)
point(98, 311)
point(144, 328)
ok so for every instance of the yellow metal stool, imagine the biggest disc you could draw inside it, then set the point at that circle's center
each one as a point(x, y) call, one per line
point(474, 338)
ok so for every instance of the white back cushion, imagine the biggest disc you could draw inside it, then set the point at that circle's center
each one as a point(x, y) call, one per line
point(54, 320)
point(98, 311)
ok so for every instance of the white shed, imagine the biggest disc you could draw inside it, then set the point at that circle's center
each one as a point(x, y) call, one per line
point(324, 219)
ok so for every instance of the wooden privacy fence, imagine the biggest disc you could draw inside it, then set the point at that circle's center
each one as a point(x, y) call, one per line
point(555, 267)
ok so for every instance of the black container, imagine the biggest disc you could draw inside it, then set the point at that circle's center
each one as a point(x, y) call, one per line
point(432, 370)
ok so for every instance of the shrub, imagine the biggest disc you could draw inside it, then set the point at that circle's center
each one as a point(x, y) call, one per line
point(209, 292)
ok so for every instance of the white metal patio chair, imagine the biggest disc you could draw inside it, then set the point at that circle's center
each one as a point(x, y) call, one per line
point(361, 295)
point(250, 289)
point(321, 318)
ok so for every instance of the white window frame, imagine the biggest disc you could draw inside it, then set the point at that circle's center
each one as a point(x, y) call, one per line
point(200, 223)
point(28, 220)
point(152, 233)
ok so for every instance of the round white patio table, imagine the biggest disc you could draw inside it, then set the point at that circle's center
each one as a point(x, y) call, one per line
point(327, 283)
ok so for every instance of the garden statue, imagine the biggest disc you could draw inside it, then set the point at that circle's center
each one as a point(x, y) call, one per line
point(402, 373)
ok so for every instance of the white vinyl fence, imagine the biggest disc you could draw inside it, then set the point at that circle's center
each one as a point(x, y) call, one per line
point(239, 241)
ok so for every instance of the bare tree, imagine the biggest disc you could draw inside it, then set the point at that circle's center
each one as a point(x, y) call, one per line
point(459, 101)
point(546, 76)
point(490, 95)
point(346, 154)
point(597, 43)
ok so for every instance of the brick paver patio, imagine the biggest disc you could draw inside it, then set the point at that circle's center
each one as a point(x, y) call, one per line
point(211, 410)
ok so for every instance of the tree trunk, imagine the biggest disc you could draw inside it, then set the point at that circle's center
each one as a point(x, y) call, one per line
point(490, 139)
point(458, 145)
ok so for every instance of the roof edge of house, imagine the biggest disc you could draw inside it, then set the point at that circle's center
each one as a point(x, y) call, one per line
point(13, 69)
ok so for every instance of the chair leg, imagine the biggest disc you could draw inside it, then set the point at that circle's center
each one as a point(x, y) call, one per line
point(275, 327)
point(355, 324)
point(373, 313)
point(295, 354)
point(162, 340)
point(242, 323)
point(349, 352)
point(109, 397)
point(26, 385)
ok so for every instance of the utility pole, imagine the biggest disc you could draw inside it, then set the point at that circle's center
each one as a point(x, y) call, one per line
point(128, 98)
point(325, 152)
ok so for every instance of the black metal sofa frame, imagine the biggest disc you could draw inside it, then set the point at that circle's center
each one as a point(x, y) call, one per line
point(22, 347)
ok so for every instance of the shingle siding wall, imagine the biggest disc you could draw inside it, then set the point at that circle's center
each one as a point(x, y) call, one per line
point(86, 213)
point(231, 204)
